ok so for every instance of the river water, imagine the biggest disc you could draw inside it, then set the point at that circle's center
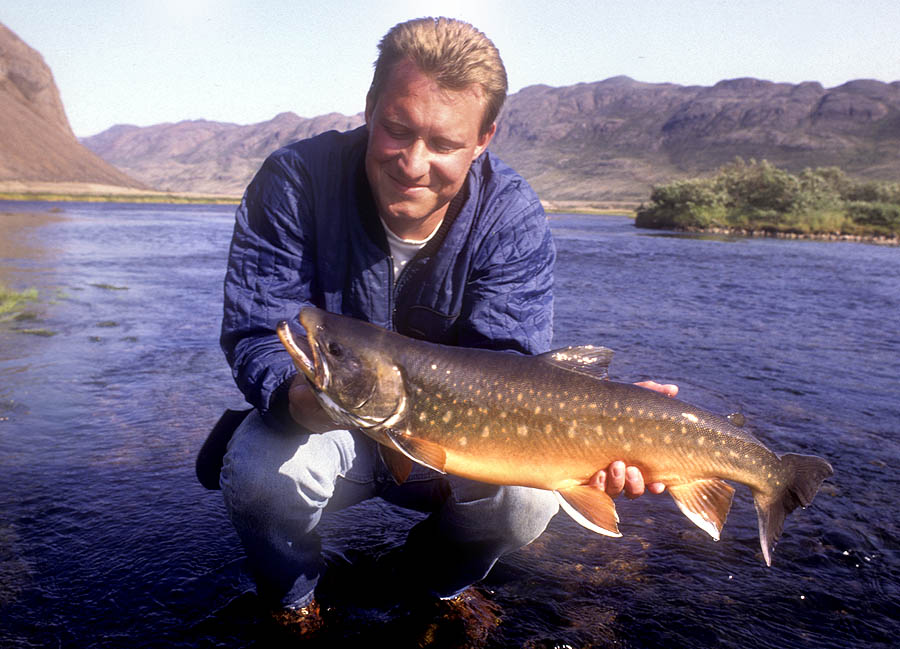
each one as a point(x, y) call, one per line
point(111, 379)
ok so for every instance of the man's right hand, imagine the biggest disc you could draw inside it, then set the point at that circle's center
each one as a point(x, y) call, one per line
point(305, 409)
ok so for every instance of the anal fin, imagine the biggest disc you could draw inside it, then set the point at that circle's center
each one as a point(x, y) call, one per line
point(590, 507)
point(705, 502)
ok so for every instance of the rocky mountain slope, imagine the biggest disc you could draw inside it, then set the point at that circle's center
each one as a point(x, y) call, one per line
point(612, 139)
point(36, 141)
point(604, 141)
point(202, 156)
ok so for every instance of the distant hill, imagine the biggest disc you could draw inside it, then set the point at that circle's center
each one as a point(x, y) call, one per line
point(36, 141)
point(205, 157)
point(614, 138)
point(604, 141)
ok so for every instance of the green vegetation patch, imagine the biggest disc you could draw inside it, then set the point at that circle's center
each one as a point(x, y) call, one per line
point(757, 196)
point(109, 287)
point(46, 333)
point(12, 302)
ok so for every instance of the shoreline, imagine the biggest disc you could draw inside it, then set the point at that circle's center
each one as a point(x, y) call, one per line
point(13, 190)
point(774, 234)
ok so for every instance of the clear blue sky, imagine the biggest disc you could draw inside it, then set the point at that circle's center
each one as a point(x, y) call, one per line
point(150, 61)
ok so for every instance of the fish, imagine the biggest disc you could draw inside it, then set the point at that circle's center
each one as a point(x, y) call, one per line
point(547, 421)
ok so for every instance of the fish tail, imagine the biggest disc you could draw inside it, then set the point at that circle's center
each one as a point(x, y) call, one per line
point(804, 475)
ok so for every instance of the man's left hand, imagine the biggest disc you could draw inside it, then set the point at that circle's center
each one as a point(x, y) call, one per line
point(618, 477)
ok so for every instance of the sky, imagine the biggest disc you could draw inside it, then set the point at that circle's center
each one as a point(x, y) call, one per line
point(147, 62)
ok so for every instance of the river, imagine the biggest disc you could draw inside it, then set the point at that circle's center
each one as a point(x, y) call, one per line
point(110, 381)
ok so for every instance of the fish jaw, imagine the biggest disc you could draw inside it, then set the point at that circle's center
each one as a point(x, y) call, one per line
point(299, 356)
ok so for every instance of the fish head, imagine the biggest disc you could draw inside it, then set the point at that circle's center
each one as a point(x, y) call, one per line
point(352, 376)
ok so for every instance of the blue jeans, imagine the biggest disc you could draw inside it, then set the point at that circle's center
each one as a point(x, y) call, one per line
point(277, 485)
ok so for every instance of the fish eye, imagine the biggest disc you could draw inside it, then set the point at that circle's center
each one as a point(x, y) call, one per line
point(335, 350)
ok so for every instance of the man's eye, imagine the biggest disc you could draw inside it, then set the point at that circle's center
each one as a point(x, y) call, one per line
point(393, 131)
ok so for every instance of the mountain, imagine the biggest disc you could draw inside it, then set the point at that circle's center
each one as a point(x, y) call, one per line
point(604, 141)
point(205, 157)
point(36, 141)
point(613, 139)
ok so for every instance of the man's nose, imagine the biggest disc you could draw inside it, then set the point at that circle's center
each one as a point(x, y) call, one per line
point(414, 160)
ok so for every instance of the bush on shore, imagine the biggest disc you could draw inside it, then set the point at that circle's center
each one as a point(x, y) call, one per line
point(758, 196)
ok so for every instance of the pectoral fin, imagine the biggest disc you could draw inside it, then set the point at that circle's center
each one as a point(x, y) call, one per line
point(419, 450)
point(590, 507)
point(705, 502)
point(398, 464)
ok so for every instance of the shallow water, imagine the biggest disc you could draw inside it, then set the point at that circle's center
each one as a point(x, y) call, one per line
point(112, 379)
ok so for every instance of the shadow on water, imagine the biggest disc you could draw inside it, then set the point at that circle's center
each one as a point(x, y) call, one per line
point(107, 540)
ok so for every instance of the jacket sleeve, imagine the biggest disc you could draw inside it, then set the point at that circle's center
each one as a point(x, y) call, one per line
point(268, 279)
point(509, 296)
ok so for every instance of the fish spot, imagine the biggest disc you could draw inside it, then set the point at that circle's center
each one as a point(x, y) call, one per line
point(503, 415)
point(433, 366)
point(733, 454)
point(626, 446)
point(621, 430)
point(701, 441)
point(562, 405)
point(522, 431)
point(463, 441)
point(641, 412)
point(667, 439)
point(628, 409)
point(519, 397)
point(537, 410)
point(599, 429)
point(447, 417)
point(486, 431)
point(684, 430)
point(422, 416)
point(718, 453)
point(548, 429)
point(691, 417)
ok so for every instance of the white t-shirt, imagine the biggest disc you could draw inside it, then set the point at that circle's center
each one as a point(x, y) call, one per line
point(402, 250)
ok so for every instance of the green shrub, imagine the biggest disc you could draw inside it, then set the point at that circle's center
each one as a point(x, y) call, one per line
point(759, 196)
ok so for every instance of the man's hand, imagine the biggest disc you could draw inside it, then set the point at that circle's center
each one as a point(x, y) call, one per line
point(304, 408)
point(617, 477)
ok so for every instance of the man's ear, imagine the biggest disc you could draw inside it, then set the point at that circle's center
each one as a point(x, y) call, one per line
point(483, 140)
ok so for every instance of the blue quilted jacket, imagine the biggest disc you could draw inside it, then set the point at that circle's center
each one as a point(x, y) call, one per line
point(307, 232)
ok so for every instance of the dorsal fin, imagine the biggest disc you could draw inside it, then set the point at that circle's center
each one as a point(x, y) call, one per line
point(584, 359)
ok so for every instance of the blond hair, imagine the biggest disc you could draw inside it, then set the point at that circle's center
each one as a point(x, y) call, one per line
point(451, 52)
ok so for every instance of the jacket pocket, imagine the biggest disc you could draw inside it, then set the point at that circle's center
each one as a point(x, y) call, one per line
point(426, 323)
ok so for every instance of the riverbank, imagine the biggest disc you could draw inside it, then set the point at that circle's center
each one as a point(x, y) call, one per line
point(14, 190)
point(820, 236)
point(621, 208)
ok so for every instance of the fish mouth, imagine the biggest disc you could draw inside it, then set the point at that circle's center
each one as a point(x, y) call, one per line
point(310, 361)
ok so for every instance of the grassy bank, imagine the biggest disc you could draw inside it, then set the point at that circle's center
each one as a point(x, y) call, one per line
point(756, 197)
point(120, 198)
point(20, 190)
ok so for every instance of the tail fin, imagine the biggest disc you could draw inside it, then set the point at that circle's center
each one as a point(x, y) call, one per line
point(805, 474)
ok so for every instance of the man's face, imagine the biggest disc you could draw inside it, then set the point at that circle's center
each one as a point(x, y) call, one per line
point(422, 140)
